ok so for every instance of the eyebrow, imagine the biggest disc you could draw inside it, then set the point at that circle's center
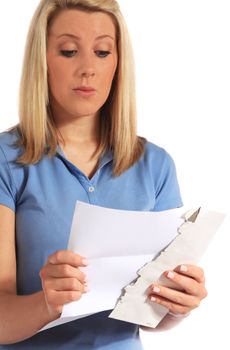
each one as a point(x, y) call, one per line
point(78, 38)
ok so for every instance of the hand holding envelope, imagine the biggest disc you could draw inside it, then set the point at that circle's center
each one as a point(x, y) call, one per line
point(190, 282)
point(190, 286)
point(187, 248)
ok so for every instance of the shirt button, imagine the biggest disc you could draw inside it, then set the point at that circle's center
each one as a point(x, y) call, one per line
point(91, 189)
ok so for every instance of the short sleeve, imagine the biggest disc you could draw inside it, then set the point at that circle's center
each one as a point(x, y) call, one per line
point(7, 187)
point(167, 188)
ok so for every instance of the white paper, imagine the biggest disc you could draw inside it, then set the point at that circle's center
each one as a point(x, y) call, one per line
point(117, 243)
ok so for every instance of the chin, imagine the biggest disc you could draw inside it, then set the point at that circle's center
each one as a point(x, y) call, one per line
point(84, 108)
point(83, 113)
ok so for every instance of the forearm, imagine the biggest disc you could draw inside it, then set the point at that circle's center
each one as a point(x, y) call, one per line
point(21, 316)
point(168, 322)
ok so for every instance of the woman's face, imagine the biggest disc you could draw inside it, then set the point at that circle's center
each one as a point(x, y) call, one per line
point(82, 60)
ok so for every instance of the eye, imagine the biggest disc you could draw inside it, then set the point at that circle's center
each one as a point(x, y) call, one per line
point(68, 53)
point(102, 54)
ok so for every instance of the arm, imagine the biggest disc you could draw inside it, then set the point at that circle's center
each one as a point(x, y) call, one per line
point(17, 313)
point(62, 281)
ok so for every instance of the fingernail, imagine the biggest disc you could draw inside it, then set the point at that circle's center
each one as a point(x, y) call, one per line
point(85, 262)
point(183, 268)
point(156, 289)
point(86, 288)
point(153, 299)
point(170, 274)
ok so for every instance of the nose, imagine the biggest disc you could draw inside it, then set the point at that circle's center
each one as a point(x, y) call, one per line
point(87, 74)
point(86, 69)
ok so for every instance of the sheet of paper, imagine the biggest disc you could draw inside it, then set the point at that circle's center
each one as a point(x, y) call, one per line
point(116, 243)
point(187, 247)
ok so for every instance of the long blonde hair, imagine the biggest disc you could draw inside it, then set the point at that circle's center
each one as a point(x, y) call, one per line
point(118, 115)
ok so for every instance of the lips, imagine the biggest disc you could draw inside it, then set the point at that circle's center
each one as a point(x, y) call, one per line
point(84, 91)
point(84, 88)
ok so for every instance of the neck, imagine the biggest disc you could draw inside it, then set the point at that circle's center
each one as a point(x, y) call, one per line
point(79, 130)
point(82, 130)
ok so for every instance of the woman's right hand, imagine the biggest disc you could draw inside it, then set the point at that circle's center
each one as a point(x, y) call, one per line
point(62, 280)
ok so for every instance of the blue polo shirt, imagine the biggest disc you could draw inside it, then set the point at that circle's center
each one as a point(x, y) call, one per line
point(43, 197)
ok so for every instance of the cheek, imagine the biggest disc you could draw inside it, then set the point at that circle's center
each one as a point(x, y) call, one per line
point(56, 76)
point(108, 76)
point(57, 69)
point(55, 72)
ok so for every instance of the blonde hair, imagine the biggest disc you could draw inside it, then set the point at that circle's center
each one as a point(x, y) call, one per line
point(118, 116)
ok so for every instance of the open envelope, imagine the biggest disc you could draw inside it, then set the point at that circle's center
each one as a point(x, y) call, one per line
point(188, 247)
point(125, 242)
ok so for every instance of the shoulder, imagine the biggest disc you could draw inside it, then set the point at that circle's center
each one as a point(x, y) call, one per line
point(8, 148)
point(157, 156)
point(157, 163)
point(153, 150)
point(8, 137)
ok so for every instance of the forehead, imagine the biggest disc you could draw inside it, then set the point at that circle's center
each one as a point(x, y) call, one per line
point(82, 23)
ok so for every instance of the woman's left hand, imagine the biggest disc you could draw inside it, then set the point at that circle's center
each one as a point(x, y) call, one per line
point(191, 280)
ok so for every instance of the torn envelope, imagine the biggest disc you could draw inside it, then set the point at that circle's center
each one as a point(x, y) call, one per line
point(188, 247)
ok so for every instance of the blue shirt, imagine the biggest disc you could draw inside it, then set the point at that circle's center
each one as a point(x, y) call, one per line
point(43, 197)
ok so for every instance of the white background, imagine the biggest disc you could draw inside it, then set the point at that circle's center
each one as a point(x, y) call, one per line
point(182, 54)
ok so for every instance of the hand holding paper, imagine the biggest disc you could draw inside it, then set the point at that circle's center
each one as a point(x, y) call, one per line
point(58, 275)
point(118, 249)
point(115, 250)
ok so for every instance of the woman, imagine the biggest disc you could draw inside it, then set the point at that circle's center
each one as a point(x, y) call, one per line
point(76, 140)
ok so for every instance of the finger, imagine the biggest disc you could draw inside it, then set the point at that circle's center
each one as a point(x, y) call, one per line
point(188, 284)
point(174, 296)
point(171, 306)
point(65, 284)
point(67, 257)
point(63, 271)
point(59, 298)
point(192, 271)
